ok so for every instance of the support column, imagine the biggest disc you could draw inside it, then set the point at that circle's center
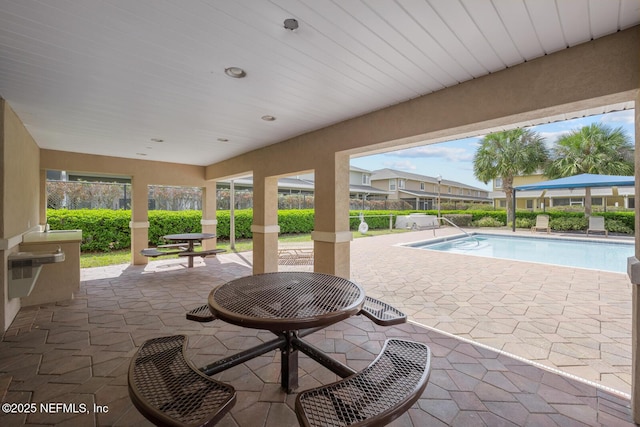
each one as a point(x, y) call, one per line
point(139, 220)
point(265, 226)
point(633, 271)
point(332, 238)
point(43, 197)
point(209, 209)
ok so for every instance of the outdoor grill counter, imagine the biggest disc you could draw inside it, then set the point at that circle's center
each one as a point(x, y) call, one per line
point(57, 281)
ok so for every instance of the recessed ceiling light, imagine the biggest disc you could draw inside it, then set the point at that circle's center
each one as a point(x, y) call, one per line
point(235, 72)
point(268, 118)
point(291, 24)
point(157, 140)
point(223, 140)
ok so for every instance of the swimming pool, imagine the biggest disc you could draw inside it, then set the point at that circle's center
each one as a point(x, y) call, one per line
point(606, 256)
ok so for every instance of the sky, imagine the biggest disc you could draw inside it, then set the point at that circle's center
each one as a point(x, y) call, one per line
point(453, 160)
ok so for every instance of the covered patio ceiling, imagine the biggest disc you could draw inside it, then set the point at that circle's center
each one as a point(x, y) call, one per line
point(146, 80)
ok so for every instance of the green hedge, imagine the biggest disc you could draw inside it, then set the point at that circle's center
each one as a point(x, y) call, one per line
point(102, 229)
point(105, 230)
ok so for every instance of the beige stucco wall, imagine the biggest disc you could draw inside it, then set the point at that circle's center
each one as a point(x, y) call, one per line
point(20, 196)
point(153, 173)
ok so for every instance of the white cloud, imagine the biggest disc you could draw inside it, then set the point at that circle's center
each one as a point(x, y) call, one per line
point(403, 165)
point(453, 154)
point(625, 117)
point(553, 136)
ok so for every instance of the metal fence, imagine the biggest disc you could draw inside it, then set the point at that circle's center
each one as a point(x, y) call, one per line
point(88, 195)
point(108, 195)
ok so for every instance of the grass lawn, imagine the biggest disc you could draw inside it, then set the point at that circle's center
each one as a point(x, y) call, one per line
point(101, 259)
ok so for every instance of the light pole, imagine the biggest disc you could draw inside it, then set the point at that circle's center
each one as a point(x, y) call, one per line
point(439, 178)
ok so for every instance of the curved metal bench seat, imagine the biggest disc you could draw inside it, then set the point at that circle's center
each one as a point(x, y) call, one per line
point(373, 397)
point(382, 313)
point(168, 390)
point(201, 314)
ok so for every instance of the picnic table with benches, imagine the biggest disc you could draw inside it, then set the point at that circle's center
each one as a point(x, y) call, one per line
point(184, 246)
point(293, 305)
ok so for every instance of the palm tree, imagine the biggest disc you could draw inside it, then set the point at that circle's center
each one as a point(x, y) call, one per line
point(507, 154)
point(595, 149)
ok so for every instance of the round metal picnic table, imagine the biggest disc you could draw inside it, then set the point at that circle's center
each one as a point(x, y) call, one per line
point(286, 301)
point(291, 305)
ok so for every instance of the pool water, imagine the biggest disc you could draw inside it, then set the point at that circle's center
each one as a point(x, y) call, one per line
point(606, 256)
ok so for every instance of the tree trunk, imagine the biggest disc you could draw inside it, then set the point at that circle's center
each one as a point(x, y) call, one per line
point(507, 186)
point(587, 202)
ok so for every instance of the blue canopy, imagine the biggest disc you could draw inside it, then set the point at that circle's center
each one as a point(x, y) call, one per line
point(581, 181)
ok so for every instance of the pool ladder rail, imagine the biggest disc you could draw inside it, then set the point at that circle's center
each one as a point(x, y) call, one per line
point(467, 234)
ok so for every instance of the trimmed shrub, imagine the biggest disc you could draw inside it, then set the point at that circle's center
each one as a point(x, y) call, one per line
point(617, 226)
point(525, 222)
point(487, 221)
point(461, 220)
point(102, 229)
point(568, 224)
point(105, 230)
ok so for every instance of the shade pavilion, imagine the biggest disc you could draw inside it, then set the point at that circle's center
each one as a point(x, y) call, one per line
point(577, 181)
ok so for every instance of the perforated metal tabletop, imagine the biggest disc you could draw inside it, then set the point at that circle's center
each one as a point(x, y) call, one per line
point(286, 301)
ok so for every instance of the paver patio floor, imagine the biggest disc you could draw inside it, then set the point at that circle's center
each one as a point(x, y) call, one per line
point(575, 320)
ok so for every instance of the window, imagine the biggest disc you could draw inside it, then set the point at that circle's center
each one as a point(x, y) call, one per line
point(596, 201)
point(449, 190)
point(529, 204)
point(366, 180)
point(502, 203)
point(497, 183)
point(632, 202)
point(401, 184)
point(568, 201)
point(392, 185)
point(422, 186)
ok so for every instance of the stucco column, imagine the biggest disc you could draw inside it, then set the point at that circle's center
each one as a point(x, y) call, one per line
point(265, 226)
point(43, 197)
point(139, 220)
point(331, 237)
point(634, 274)
point(633, 270)
point(209, 208)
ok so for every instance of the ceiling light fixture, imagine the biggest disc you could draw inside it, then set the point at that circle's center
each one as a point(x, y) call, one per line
point(291, 24)
point(223, 140)
point(141, 154)
point(268, 118)
point(235, 72)
point(157, 140)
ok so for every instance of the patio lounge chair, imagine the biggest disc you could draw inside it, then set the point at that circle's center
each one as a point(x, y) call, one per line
point(596, 223)
point(542, 223)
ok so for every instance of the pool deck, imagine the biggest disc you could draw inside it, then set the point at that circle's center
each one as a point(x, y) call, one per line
point(514, 343)
point(574, 320)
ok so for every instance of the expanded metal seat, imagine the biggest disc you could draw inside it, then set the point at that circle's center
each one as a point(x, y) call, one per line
point(373, 397)
point(201, 314)
point(168, 390)
point(382, 313)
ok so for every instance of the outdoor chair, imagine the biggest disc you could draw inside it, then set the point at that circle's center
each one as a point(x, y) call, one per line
point(542, 223)
point(596, 223)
